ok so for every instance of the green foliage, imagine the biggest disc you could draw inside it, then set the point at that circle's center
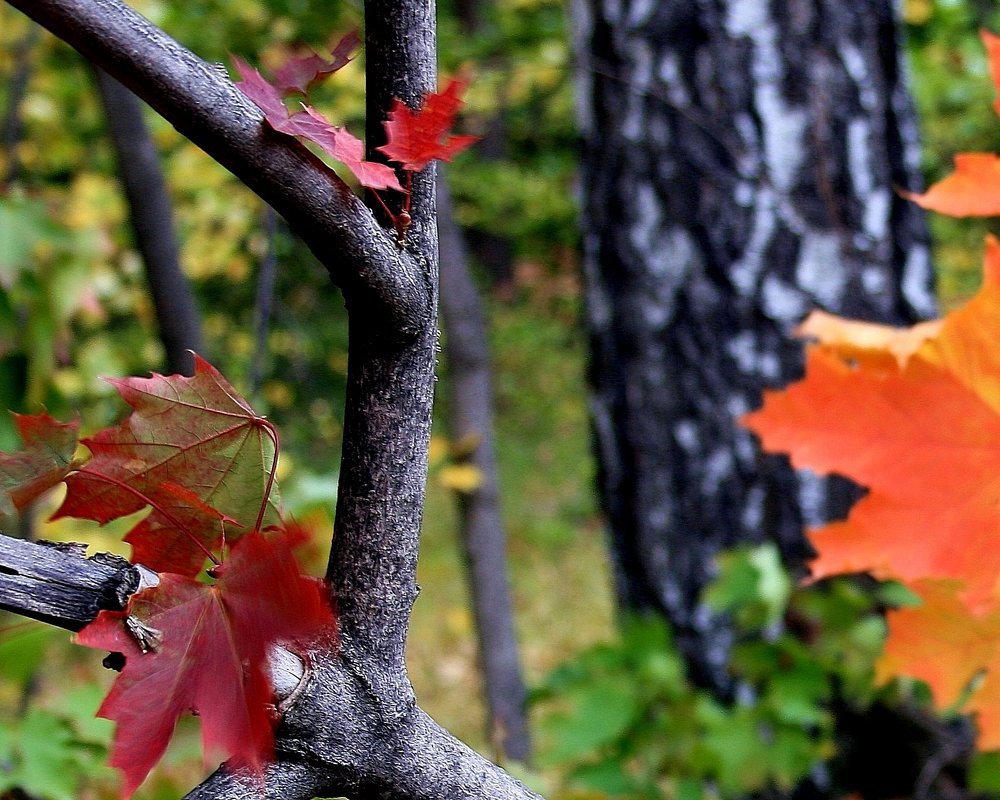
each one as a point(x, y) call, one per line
point(623, 721)
point(41, 754)
point(49, 752)
point(954, 97)
point(518, 184)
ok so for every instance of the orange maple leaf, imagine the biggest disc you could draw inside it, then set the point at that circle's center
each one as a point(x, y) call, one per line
point(946, 645)
point(973, 189)
point(914, 415)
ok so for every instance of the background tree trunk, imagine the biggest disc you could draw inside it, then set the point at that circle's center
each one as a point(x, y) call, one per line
point(470, 416)
point(740, 166)
point(152, 216)
point(493, 252)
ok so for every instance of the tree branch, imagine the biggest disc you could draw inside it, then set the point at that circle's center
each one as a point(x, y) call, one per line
point(471, 417)
point(58, 584)
point(203, 104)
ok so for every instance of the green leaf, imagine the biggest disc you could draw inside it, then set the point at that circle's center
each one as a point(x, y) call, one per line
point(598, 715)
point(21, 651)
point(984, 773)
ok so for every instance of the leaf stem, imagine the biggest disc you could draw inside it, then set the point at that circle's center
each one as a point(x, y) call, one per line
point(392, 217)
point(268, 426)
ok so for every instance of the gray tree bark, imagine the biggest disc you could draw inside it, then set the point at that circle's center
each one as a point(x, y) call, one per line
point(353, 727)
point(471, 415)
point(740, 165)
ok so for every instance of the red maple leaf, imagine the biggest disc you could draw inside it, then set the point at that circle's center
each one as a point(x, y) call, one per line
point(265, 96)
point(196, 433)
point(314, 127)
point(46, 460)
point(415, 138)
point(298, 74)
point(346, 148)
point(209, 657)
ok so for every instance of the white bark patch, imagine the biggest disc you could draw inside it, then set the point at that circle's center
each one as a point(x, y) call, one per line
point(743, 194)
point(640, 79)
point(640, 12)
point(582, 26)
point(718, 467)
point(686, 435)
point(784, 129)
point(745, 17)
point(669, 74)
point(746, 453)
point(819, 270)
point(782, 301)
point(646, 219)
point(858, 156)
point(737, 405)
point(742, 349)
point(874, 280)
point(856, 66)
point(876, 217)
point(875, 200)
point(916, 279)
point(812, 498)
point(782, 125)
point(752, 513)
point(746, 270)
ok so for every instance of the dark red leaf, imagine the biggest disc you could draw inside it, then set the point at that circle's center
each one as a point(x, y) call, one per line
point(298, 74)
point(344, 147)
point(265, 96)
point(417, 138)
point(211, 657)
point(45, 461)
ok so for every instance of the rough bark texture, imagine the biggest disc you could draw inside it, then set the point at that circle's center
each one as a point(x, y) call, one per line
point(58, 584)
point(353, 727)
point(740, 162)
point(152, 224)
point(470, 416)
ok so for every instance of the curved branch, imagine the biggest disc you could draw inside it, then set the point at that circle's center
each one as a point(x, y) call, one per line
point(203, 104)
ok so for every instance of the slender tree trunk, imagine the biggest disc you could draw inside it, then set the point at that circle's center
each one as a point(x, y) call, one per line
point(741, 161)
point(267, 273)
point(10, 128)
point(152, 223)
point(493, 251)
point(470, 406)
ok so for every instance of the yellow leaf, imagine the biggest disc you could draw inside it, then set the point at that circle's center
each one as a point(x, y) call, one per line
point(465, 478)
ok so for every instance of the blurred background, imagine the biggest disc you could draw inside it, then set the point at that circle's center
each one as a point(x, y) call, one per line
point(613, 711)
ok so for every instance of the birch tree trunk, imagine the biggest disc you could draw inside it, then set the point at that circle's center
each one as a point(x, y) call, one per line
point(740, 166)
